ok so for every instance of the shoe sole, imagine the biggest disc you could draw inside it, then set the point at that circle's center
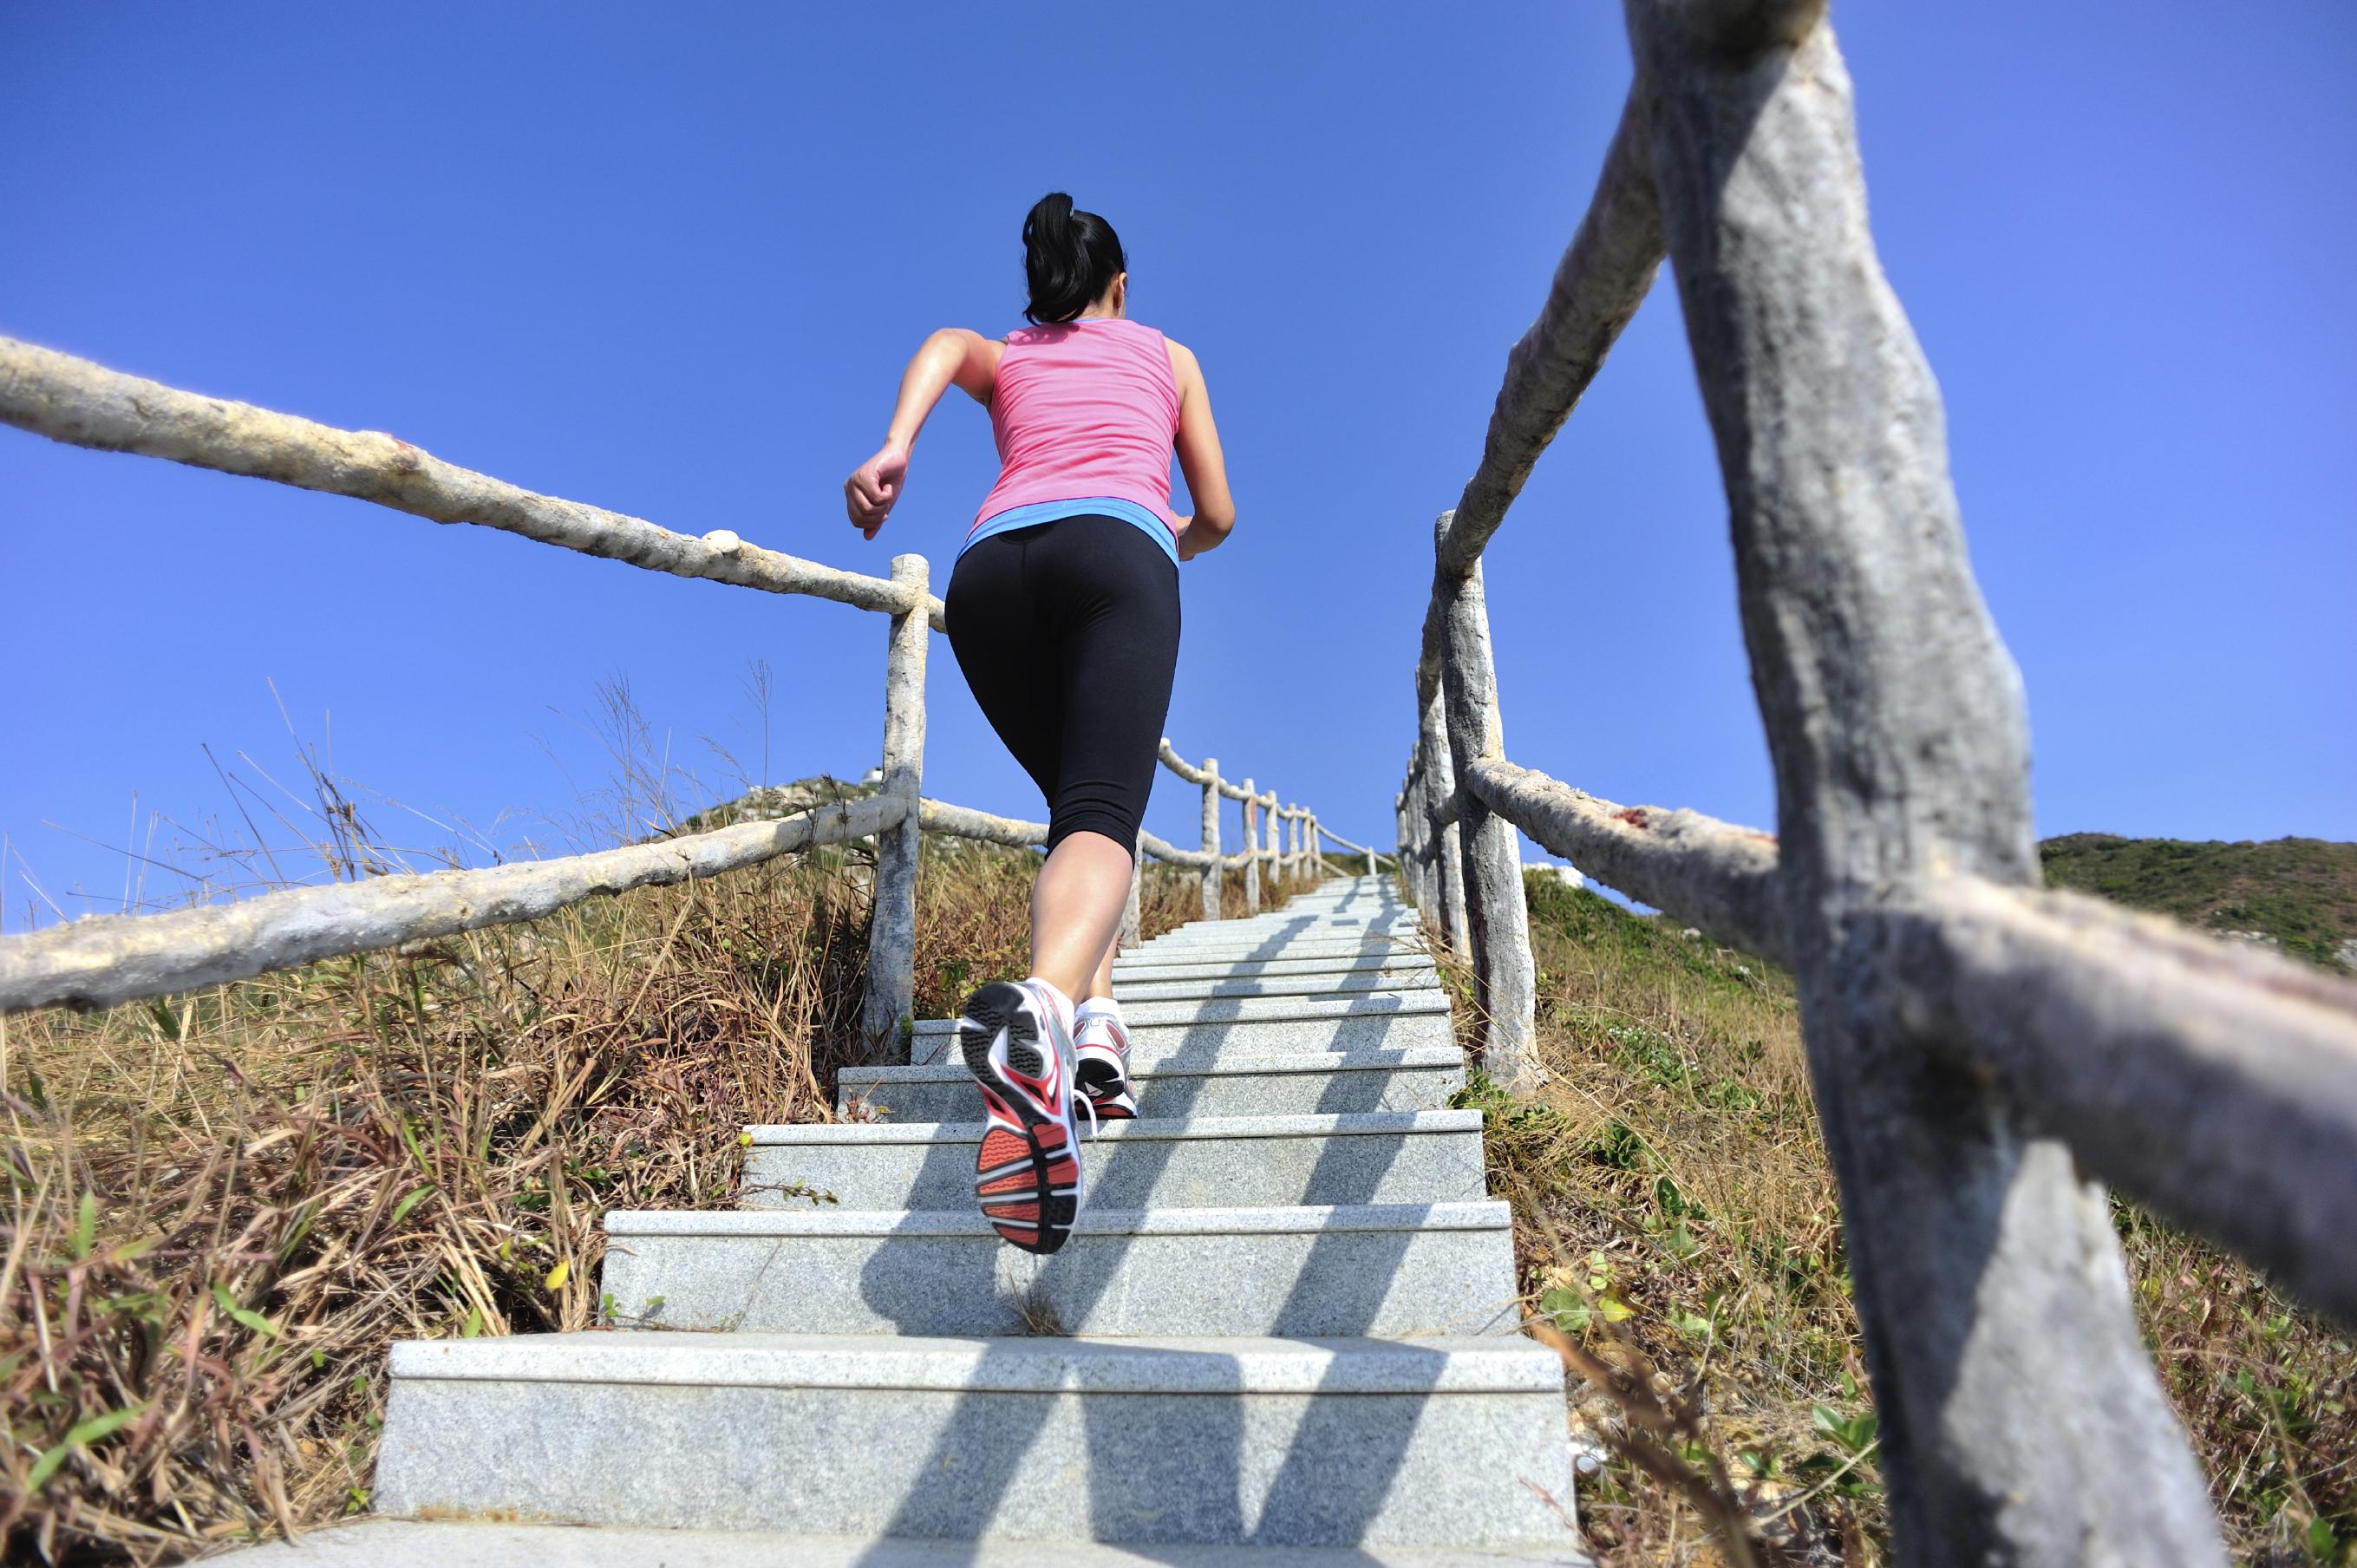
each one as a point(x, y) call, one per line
point(1027, 1183)
point(1102, 1075)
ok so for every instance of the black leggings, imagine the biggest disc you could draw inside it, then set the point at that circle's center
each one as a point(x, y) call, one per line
point(1068, 633)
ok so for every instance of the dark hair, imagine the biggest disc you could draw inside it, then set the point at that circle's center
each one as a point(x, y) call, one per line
point(1069, 259)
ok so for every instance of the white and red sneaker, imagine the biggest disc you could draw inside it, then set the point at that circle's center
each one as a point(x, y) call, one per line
point(1017, 1039)
point(1102, 1070)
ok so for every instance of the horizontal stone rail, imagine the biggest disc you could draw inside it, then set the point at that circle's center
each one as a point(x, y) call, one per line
point(2213, 1081)
point(86, 404)
point(1711, 874)
point(1979, 1048)
point(105, 959)
point(1341, 842)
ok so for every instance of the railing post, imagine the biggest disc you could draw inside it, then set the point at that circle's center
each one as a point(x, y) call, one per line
point(1399, 840)
point(1504, 982)
point(892, 917)
point(1251, 850)
point(1415, 840)
point(1211, 837)
point(2021, 1420)
point(1411, 832)
point(1440, 802)
point(1268, 837)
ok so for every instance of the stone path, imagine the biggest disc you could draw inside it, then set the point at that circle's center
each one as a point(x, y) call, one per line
point(1283, 1330)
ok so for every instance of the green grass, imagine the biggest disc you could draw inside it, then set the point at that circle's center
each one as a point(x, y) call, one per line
point(2300, 892)
point(221, 1207)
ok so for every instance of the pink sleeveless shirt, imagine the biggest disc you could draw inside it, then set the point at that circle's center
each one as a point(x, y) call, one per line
point(1084, 413)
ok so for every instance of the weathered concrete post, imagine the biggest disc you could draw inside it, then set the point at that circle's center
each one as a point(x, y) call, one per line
point(1499, 921)
point(1439, 769)
point(1415, 841)
point(892, 918)
point(1251, 850)
point(1417, 825)
point(1268, 836)
point(1399, 839)
point(2020, 1419)
point(1211, 837)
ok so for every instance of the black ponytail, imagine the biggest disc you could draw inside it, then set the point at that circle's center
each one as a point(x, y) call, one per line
point(1069, 259)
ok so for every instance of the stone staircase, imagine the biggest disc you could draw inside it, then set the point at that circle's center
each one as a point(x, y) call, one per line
point(1284, 1329)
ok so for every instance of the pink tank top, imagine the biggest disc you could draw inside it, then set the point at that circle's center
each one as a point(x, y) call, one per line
point(1083, 411)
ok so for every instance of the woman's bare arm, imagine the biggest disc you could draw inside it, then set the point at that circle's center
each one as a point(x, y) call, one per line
point(1199, 459)
point(950, 357)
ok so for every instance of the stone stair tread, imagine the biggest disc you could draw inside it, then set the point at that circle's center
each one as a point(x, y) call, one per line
point(1143, 1129)
point(1478, 1214)
point(1387, 1269)
point(1207, 1162)
point(1257, 1009)
point(1421, 1000)
point(1136, 996)
point(1233, 1082)
point(1253, 950)
point(1384, 929)
point(1088, 1366)
point(421, 1543)
point(1254, 1378)
point(1280, 1023)
point(1150, 969)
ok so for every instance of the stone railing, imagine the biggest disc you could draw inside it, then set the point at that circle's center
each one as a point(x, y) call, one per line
point(1983, 1051)
point(105, 958)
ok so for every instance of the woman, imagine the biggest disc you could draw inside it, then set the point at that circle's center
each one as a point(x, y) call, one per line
point(1063, 613)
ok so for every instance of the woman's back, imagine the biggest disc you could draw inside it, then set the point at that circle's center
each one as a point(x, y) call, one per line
point(1063, 614)
point(1083, 410)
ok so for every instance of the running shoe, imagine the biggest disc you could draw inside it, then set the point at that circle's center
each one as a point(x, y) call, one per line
point(1027, 1174)
point(1103, 1068)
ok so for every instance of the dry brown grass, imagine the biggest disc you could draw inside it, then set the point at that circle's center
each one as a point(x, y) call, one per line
point(223, 1206)
point(1677, 1221)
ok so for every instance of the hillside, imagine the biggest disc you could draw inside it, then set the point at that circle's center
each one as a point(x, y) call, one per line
point(1676, 1217)
point(2300, 895)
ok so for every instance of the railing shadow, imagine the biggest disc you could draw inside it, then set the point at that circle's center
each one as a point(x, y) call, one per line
point(1324, 1481)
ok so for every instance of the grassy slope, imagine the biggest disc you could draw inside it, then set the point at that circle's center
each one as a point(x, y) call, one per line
point(1678, 1220)
point(223, 1206)
point(2301, 892)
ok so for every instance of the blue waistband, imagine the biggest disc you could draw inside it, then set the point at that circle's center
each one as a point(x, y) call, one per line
point(1129, 511)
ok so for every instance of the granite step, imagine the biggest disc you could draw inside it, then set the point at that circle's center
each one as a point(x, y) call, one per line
point(1455, 1441)
point(1359, 915)
point(1392, 997)
point(1329, 927)
point(423, 1543)
point(1132, 991)
point(1140, 967)
point(1241, 947)
point(1208, 1162)
point(1392, 1270)
point(1289, 1083)
point(1254, 1025)
point(853, 1371)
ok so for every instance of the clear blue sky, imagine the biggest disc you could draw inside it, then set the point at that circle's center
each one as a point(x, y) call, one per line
point(672, 263)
